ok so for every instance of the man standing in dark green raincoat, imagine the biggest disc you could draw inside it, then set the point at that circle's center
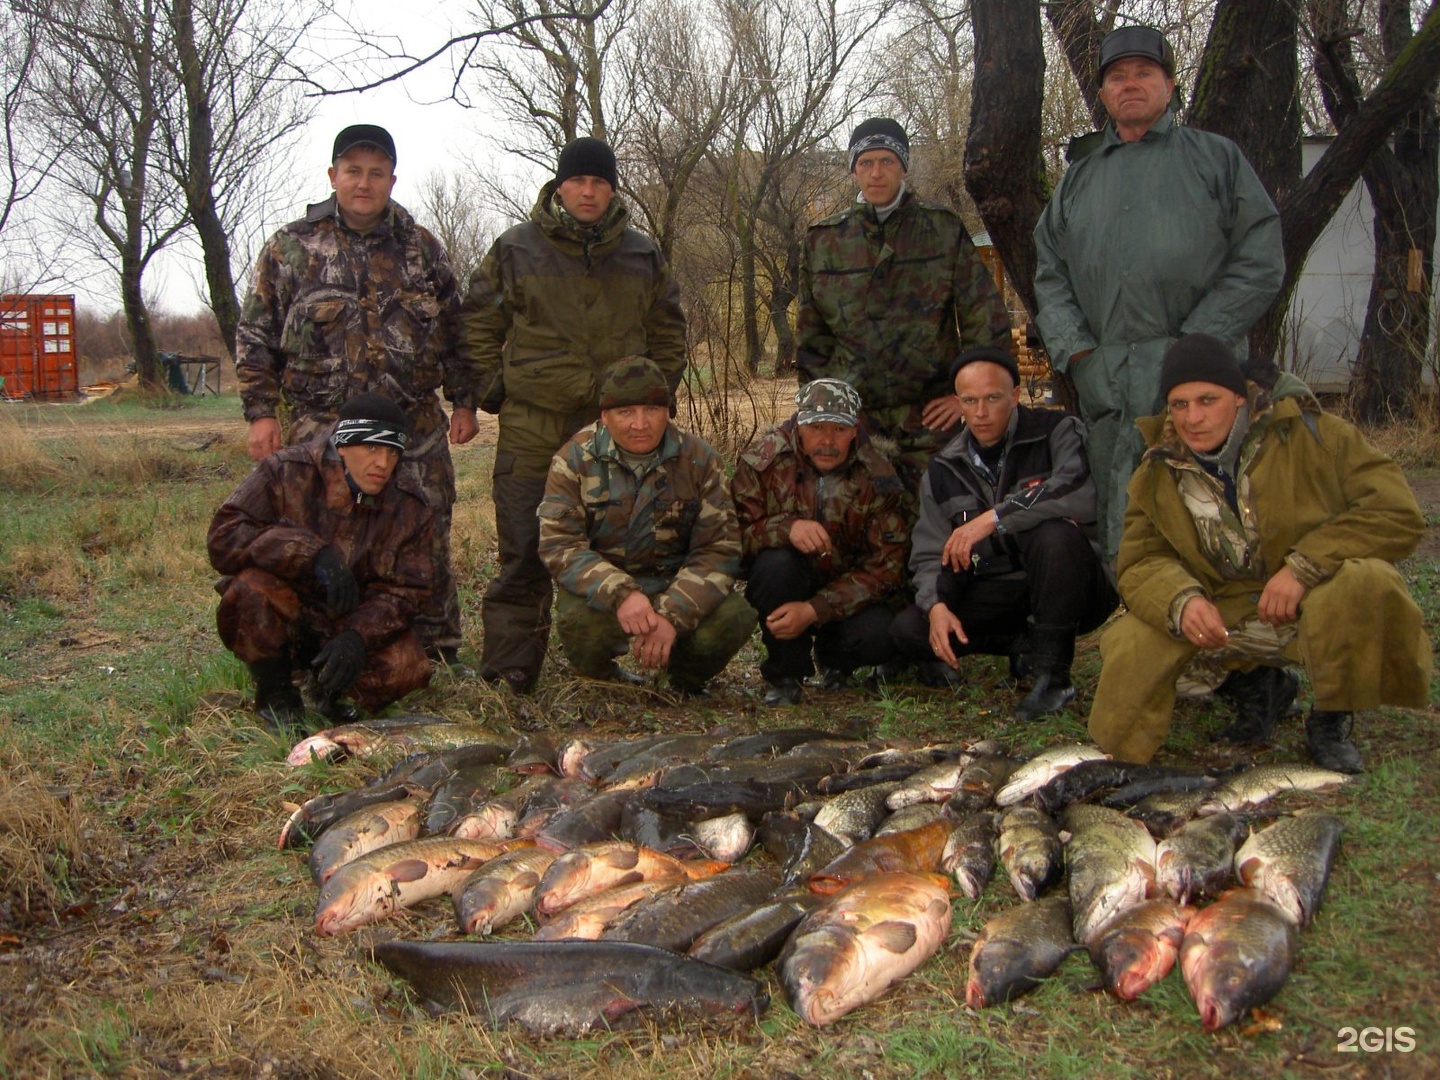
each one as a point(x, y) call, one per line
point(1162, 230)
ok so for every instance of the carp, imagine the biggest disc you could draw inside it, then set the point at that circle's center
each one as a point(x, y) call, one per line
point(1236, 954)
point(1111, 863)
point(675, 918)
point(749, 939)
point(854, 815)
point(362, 832)
point(1196, 860)
point(970, 853)
point(912, 851)
point(587, 919)
point(501, 890)
point(1138, 947)
point(1018, 949)
point(1027, 844)
point(1289, 863)
point(593, 868)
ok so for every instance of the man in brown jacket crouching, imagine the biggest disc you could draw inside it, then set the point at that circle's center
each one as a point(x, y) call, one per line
point(327, 561)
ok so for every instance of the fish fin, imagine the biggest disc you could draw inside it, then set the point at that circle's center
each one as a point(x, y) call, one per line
point(621, 858)
point(894, 935)
point(407, 870)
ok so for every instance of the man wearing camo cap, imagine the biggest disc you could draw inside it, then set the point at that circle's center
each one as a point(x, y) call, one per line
point(824, 534)
point(638, 531)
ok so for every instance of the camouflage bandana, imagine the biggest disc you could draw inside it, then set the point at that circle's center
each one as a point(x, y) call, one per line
point(633, 380)
point(375, 432)
point(827, 400)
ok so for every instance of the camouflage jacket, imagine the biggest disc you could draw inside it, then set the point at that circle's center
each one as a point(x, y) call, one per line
point(860, 504)
point(1311, 492)
point(886, 307)
point(332, 313)
point(554, 304)
point(296, 502)
point(602, 527)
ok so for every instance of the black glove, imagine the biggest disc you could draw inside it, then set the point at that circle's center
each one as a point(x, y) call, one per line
point(342, 592)
point(339, 662)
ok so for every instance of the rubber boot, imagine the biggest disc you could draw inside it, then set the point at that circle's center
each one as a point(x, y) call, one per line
point(1052, 651)
point(1328, 736)
point(277, 701)
point(1261, 697)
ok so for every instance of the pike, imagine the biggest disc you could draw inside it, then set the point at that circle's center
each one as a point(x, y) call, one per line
point(1197, 860)
point(1111, 863)
point(1042, 768)
point(1251, 788)
point(1027, 844)
point(854, 815)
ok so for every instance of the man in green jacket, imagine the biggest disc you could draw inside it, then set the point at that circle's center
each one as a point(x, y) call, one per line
point(1161, 230)
point(557, 301)
point(891, 290)
point(639, 531)
point(1261, 532)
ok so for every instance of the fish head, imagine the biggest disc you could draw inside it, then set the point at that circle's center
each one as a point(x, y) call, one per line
point(351, 900)
point(821, 973)
point(314, 748)
point(999, 971)
point(1133, 960)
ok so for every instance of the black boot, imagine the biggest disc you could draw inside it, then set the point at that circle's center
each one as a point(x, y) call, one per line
point(783, 690)
point(276, 698)
point(1328, 736)
point(1261, 697)
point(1052, 651)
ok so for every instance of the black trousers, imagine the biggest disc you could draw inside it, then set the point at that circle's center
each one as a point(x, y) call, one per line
point(782, 575)
point(1063, 584)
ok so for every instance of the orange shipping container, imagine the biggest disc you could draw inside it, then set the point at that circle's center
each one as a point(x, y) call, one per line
point(37, 347)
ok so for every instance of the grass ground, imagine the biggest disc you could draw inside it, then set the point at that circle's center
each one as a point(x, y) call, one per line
point(149, 926)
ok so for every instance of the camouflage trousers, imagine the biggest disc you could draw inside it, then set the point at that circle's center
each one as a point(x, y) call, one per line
point(427, 465)
point(1360, 638)
point(593, 639)
point(261, 617)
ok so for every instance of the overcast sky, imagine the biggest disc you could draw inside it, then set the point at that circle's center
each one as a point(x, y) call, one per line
point(430, 133)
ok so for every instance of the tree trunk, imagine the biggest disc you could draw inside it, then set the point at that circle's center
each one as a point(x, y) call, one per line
point(199, 181)
point(1404, 185)
point(1004, 170)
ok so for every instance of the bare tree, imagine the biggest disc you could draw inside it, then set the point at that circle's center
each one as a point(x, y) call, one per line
point(104, 83)
point(450, 207)
point(232, 60)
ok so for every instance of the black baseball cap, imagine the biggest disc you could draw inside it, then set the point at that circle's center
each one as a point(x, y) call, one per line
point(363, 135)
point(1144, 41)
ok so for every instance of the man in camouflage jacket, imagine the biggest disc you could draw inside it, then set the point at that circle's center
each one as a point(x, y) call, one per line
point(639, 532)
point(557, 301)
point(890, 291)
point(824, 533)
point(357, 297)
point(327, 561)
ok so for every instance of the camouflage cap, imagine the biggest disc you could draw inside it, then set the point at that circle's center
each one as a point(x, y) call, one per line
point(633, 380)
point(829, 400)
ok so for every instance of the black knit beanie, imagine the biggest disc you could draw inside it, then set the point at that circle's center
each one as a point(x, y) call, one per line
point(587, 157)
point(1200, 358)
point(880, 133)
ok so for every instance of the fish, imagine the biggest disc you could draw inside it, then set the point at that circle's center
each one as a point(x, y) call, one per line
point(970, 853)
point(755, 798)
point(361, 832)
point(1034, 774)
point(675, 918)
point(569, 987)
point(1135, 791)
point(839, 783)
point(1166, 811)
point(854, 815)
point(590, 821)
point(416, 776)
point(1236, 955)
point(501, 890)
point(725, 839)
point(498, 817)
point(848, 952)
point(590, 869)
point(587, 919)
point(1289, 863)
point(641, 824)
point(806, 766)
point(367, 738)
point(1139, 946)
point(376, 885)
point(1251, 788)
point(534, 755)
point(1110, 859)
point(1197, 860)
point(467, 788)
point(764, 744)
point(1018, 949)
point(1027, 843)
point(800, 847)
point(912, 851)
point(912, 817)
point(933, 784)
point(594, 760)
point(751, 939)
point(981, 779)
point(1083, 780)
point(644, 768)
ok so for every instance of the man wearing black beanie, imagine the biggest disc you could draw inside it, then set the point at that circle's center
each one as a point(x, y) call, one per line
point(891, 291)
point(557, 302)
point(326, 552)
point(1261, 535)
